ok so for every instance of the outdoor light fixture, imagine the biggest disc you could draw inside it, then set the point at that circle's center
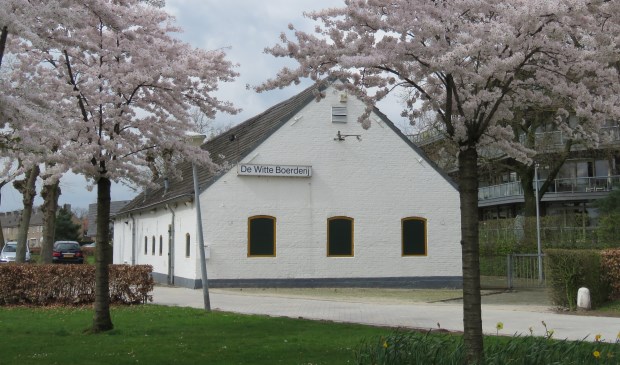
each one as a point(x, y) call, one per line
point(341, 137)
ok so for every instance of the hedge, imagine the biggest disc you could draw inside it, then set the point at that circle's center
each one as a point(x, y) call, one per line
point(42, 285)
point(569, 270)
point(610, 260)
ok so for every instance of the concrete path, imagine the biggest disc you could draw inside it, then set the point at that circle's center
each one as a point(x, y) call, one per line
point(516, 319)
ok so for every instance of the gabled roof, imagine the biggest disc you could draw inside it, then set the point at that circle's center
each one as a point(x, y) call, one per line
point(234, 145)
point(11, 219)
point(231, 147)
point(115, 206)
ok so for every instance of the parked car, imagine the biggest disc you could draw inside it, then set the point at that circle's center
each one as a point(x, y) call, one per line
point(67, 252)
point(10, 250)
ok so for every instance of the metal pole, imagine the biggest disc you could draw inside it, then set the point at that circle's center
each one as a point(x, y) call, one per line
point(201, 243)
point(540, 264)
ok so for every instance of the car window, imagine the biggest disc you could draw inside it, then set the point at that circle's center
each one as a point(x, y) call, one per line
point(10, 248)
point(66, 246)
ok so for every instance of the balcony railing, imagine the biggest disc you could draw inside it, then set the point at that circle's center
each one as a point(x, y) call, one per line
point(558, 138)
point(552, 139)
point(572, 185)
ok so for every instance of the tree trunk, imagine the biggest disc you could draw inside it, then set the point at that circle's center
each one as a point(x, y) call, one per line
point(3, 37)
point(529, 195)
point(50, 194)
point(27, 188)
point(1, 232)
point(102, 320)
point(472, 313)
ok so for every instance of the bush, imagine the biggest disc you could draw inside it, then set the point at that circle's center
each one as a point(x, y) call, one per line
point(412, 348)
point(568, 270)
point(441, 348)
point(42, 285)
point(610, 261)
point(608, 229)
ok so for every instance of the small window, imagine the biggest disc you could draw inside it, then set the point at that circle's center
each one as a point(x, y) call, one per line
point(146, 245)
point(339, 114)
point(161, 245)
point(340, 236)
point(187, 245)
point(413, 236)
point(153, 246)
point(261, 236)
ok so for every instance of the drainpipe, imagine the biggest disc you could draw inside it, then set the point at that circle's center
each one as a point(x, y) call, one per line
point(171, 252)
point(133, 239)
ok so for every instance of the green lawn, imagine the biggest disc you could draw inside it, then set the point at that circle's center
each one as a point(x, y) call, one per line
point(168, 335)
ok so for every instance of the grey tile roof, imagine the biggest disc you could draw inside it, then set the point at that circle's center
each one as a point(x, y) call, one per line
point(233, 145)
point(11, 219)
point(115, 206)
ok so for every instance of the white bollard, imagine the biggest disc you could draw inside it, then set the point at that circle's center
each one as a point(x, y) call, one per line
point(583, 298)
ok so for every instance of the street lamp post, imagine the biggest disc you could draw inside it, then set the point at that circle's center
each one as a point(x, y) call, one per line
point(197, 140)
point(540, 263)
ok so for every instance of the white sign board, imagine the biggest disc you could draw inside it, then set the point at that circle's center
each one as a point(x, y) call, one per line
point(274, 170)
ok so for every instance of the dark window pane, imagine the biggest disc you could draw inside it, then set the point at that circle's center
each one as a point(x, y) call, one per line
point(414, 237)
point(262, 236)
point(340, 239)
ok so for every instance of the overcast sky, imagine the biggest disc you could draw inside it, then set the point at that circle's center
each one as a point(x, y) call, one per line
point(243, 28)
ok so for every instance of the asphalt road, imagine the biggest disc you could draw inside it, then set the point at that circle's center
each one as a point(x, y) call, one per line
point(522, 319)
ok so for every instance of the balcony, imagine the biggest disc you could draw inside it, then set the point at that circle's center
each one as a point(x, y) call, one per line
point(580, 187)
point(549, 140)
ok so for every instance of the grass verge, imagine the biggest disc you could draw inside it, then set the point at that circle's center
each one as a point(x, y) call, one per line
point(171, 335)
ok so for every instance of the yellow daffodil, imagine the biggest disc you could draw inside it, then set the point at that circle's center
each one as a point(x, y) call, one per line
point(385, 345)
point(596, 354)
point(499, 326)
point(597, 338)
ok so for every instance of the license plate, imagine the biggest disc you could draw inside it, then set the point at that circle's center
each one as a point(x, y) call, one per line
point(68, 255)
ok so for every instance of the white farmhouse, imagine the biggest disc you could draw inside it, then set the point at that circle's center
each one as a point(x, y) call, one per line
point(308, 198)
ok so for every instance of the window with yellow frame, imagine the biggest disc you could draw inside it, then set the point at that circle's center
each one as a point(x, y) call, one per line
point(261, 236)
point(414, 236)
point(340, 237)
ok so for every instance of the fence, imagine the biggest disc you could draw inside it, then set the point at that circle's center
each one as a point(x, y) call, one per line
point(511, 271)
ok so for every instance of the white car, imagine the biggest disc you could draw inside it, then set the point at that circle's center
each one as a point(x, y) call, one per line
point(10, 250)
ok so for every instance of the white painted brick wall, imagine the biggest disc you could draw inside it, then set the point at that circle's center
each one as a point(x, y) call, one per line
point(155, 223)
point(377, 181)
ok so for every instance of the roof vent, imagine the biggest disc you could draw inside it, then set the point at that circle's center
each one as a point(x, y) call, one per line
point(339, 114)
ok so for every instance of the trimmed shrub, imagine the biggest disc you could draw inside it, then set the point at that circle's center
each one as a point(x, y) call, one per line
point(42, 285)
point(569, 270)
point(610, 261)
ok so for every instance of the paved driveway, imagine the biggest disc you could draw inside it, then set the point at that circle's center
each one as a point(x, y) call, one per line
point(516, 319)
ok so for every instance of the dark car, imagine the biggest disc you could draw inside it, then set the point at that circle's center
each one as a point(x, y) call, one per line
point(67, 252)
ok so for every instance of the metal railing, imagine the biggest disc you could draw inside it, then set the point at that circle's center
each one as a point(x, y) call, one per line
point(558, 138)
point(554, 138)
point(571, 185)
point(426, 137)
point(511, 271)
point(522, 271)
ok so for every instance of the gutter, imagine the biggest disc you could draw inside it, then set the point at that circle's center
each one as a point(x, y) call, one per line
point(179, 198)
